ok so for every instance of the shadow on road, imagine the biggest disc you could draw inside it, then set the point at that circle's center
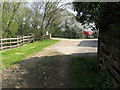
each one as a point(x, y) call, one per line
point(88, 43)
point(42, 72)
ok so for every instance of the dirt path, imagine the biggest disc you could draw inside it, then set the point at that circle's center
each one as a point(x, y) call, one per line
point(48, 68)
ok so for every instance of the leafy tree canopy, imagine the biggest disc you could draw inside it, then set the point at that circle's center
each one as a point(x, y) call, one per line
point(104, 14)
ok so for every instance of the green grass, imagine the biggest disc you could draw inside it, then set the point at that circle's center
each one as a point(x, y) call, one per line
point(84, 74)
point(15, 55)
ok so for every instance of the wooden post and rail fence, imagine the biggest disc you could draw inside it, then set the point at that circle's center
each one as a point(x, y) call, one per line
point(7, 43)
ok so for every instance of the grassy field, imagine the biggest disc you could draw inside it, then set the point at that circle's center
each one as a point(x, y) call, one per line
point(84, 74)
point(12, 56)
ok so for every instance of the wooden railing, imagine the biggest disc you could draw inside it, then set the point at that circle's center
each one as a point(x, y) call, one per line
point(7, 43)
point(108, 58)
point(46, 37)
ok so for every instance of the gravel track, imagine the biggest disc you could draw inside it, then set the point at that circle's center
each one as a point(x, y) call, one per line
point(48, 68)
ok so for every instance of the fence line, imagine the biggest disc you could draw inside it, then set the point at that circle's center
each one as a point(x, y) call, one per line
point(46, 37)
point(7, 43)
point(109, 60)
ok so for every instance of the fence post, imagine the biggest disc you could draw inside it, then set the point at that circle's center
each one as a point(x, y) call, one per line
point(44, 37)
point(50, 36)
point(23, 39)
point(47, 37)
point(33, 37)
point(17, 41)
point(28, 38)
point(1, 43)
point(20, 40)
point(10, 42)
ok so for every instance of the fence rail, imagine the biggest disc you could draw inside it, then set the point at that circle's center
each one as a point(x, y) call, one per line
point(109, 60)
point(46, 37)
point(7, 43)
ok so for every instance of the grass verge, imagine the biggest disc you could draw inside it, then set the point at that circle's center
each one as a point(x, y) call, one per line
point(12, 56)
point(84, 74)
